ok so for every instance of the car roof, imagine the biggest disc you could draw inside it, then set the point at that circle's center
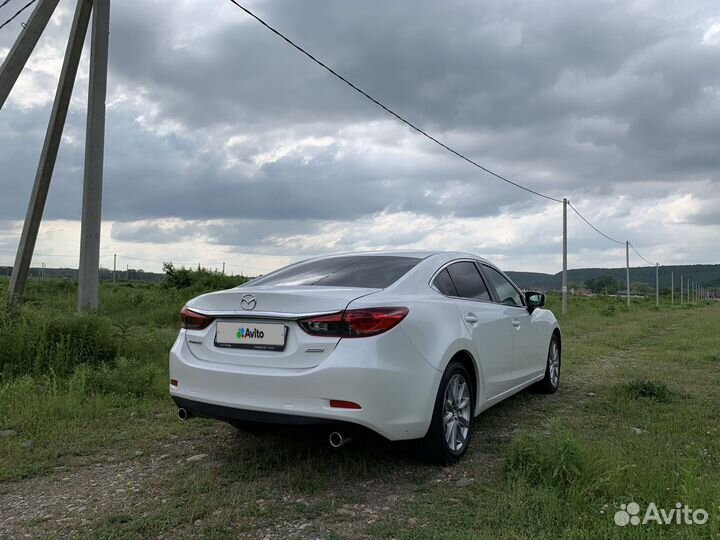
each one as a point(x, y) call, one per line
point(421, 254)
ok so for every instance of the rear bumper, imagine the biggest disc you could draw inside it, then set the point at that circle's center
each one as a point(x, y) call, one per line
point(394, 385)
point(230, 414)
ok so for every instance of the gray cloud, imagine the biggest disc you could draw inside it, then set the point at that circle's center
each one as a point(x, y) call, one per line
point(213, 118)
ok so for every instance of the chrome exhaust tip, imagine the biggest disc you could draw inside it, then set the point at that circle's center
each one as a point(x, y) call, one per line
point(183, 414)
point(337, 439)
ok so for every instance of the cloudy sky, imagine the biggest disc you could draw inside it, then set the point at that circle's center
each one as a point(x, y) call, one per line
point(225, 144)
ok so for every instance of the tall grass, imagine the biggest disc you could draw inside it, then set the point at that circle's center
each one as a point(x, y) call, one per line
point(36, 342)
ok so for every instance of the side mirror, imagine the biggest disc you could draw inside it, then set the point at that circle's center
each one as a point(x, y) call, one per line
point(534, 300)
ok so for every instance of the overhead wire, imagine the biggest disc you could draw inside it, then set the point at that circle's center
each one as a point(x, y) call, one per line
point(593, 226)
point(412, 125)
point(17, 14)
point(638, 254)
point(388, 109)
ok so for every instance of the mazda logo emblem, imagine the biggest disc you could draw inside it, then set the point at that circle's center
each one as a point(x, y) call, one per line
point(248, 302)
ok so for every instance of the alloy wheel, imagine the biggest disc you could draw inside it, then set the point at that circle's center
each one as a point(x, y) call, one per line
point(456, 412)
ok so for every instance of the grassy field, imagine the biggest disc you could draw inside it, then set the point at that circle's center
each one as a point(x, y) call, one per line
point(90, 446)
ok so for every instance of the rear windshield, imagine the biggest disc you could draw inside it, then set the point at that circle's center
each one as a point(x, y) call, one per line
point(371, 271)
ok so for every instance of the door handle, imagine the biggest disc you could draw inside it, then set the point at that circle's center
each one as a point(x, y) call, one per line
point(516, 323)
point(471, 318)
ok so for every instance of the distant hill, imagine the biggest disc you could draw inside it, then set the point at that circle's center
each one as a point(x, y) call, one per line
point(707, 274)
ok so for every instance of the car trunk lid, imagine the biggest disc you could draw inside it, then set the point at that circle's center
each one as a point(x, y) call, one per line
point(270, 312)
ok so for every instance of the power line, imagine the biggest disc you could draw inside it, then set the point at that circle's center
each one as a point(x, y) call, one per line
point(638, 254)
point(387, 109)
point(5, 3)
point(30, 3)
point(593, 226)
point(411, 124)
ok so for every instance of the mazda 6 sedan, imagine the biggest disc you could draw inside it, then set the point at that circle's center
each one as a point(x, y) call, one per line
point(411, 345)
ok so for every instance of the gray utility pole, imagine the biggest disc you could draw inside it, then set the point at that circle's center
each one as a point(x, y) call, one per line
point(672, 288)
point(114, 268)
point(564, 271)
point(88, 278)
point(627, 271)
point(223, 269)
point(23, 47)
point(48, 156)
point(657, 284)
point(681, 289)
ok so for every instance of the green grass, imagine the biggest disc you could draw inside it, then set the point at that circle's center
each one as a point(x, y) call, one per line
point(637, 418)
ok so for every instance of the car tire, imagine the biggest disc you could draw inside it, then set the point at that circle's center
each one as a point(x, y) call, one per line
point(551, 381)
point(452, 419)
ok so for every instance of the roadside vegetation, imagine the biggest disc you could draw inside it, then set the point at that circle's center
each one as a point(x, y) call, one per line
point(85, 416)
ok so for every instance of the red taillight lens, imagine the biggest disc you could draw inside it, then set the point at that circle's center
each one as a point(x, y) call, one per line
point(373, 321)
point(194, 321)
point(355, 322)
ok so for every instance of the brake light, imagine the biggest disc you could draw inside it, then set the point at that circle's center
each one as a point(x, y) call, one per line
point(194, 321)
point(355, 322)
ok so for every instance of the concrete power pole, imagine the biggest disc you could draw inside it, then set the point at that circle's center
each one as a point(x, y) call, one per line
point(114, 268)
point(672, 288)
point(657, 284)
point(88, 272)
point(88, 278)
point(681, 289)
point(564, 271)
point(53, 135)
point(627, 271)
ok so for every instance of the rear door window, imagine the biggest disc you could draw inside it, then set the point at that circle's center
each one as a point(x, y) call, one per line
point(444, 284)
point(468, 281)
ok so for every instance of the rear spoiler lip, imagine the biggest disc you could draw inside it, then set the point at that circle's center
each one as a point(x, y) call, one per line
point(240, 314)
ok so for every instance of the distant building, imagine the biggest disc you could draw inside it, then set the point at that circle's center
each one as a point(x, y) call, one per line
point(581, 291)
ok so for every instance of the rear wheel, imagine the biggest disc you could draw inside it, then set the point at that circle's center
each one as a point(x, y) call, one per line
point(450, 430)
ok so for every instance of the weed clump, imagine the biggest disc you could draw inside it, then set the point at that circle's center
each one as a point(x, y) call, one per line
point(556, 461)
point(126, 377)
point(646, 389)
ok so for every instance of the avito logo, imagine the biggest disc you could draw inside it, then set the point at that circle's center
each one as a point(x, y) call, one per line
point(629, 514)
point(244, 333)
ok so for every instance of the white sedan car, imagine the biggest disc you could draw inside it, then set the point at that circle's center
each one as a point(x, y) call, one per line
point(411, 345)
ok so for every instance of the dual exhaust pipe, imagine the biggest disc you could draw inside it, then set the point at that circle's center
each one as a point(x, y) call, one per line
point(336, 439)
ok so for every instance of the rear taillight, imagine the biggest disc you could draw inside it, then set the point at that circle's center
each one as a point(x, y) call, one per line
point(194, 321)
point(355, 322)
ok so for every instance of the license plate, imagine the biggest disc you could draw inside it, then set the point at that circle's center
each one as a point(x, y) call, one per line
point(250, 335)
